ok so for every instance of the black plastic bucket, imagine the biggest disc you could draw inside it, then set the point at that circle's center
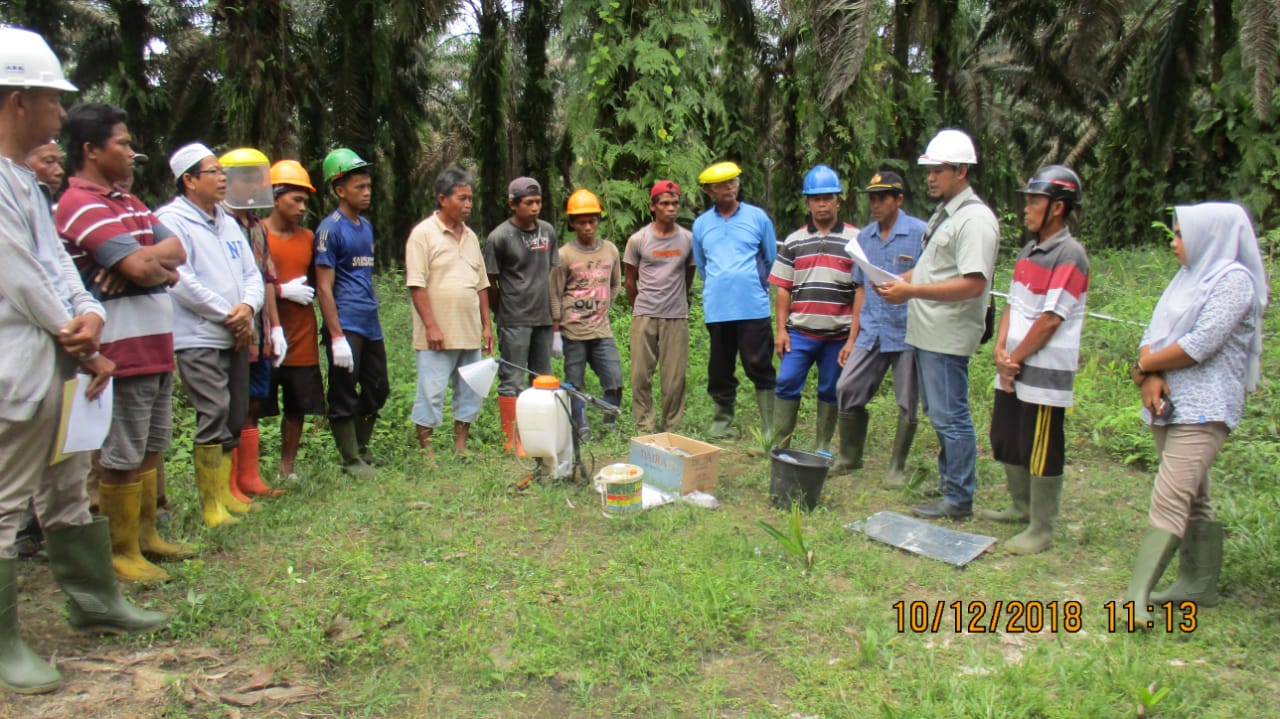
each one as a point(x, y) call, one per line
point(796, 475)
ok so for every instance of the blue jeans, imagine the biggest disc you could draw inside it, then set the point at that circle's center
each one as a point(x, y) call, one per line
point(602, 355)
point(437, 370)
point(944, 395)
point(794, 368)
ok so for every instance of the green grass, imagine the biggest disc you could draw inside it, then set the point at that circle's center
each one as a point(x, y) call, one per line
point(436, 591)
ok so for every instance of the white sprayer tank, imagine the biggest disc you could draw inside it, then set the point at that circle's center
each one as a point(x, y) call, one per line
point(542, 419)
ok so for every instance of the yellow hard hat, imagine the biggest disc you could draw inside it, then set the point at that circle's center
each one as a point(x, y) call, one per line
point(719, 172)
point(244, 157)
point(290, 172)
point(583, 202)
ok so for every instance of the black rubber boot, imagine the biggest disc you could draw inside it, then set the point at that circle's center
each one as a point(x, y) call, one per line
point(902, 439)
point(348, 443)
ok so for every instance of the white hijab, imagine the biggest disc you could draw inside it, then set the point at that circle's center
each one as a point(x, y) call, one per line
point(1217, 237)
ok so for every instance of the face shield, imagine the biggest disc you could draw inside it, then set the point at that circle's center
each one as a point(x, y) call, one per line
point(249, 186)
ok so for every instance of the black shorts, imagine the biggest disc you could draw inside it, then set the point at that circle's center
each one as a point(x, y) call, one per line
point(303, 389)
point(1028, 435)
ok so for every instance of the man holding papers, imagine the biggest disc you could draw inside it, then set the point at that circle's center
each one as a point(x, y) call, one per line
point(884, 250)
point(51, 326)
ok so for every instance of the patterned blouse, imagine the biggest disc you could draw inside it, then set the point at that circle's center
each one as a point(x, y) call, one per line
point(1212, 390)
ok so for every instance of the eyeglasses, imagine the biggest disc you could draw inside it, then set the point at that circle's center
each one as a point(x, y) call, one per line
point(211, 171)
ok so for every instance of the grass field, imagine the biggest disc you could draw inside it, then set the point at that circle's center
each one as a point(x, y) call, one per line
point(438, 591)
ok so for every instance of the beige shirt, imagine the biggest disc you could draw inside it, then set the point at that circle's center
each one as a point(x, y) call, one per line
point(965, 242)
point(452, 271)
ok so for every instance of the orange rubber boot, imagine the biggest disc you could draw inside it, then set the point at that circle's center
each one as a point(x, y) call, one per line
point(248, 478)
point(234, 500)
point(507, 413)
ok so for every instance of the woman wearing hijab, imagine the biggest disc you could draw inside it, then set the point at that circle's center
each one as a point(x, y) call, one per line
point(1198, 358)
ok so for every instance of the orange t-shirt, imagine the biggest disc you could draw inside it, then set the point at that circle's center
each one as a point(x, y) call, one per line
point(293, 256)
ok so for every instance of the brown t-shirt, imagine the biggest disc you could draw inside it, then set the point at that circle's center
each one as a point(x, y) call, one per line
point(583, 286)
point(661, 265)
point(292, 256)
point(452, 271)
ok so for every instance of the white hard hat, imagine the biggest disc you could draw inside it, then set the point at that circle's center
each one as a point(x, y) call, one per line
point(949, 147)
point(26, 61)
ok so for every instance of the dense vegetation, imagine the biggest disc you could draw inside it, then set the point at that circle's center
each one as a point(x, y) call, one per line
point(1155, 101)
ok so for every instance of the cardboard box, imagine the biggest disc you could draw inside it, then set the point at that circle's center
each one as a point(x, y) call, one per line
point(673, 463)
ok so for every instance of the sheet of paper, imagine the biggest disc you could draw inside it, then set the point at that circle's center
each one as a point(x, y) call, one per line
point(84, 423)
point(874, 274)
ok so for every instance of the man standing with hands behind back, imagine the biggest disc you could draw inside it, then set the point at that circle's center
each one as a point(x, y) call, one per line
point(946, 316)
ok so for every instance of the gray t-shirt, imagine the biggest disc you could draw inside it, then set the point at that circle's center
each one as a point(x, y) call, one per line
point(522, 261)
point(661, 263)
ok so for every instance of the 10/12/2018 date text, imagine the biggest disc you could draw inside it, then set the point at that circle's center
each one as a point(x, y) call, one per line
point(1018, 616)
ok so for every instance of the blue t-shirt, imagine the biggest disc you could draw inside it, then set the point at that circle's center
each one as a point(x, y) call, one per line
point(733, 256)
point(880, 321)
point(347, 247)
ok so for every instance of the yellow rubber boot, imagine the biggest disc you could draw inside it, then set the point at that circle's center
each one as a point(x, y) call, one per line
point(229, 500)
point(120, 503)
point(209, 476)
point(149, 540)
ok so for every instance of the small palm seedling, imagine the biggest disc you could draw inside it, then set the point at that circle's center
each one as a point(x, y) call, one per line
point(793, 540)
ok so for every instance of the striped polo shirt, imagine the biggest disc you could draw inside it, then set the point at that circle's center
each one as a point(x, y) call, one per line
point(99, 227)
point(1050, 276)
point(814, 266)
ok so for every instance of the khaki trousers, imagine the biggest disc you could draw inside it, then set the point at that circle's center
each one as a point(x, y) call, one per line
point(1181, 492)
point(25, 474)
point(662, 344)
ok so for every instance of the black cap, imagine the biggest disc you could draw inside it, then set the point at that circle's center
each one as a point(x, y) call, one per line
point(886, 181)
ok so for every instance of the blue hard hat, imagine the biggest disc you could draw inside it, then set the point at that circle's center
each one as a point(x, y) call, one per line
point(822, 180)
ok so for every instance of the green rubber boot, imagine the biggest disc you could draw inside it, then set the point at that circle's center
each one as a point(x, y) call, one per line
point(902, 439)
point(1046, 500)
point(828, 416)
point(1018, 480)
point(764, 400)
point(853, 437)
point(348, 442)
point(1154, 553)
point(364, 432)
point(721, 422)
point(785, 412)
point(21, 670)
point(1199, 562)
point(80, 558)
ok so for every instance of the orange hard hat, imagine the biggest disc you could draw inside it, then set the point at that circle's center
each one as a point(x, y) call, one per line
point(583, 202)
point(291, 172)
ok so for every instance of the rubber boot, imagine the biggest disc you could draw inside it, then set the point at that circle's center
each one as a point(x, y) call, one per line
point(248, 476)
point(1199, 563)
point(1046, 500)
point(507, 413)
point(1017, 479)
point(149, 540)
point(613, 398)
point(228, 493)
point(828, 416)
point(764, 401)
point(364, 433)
point(80, 558)
point(21, 670)
point(344, 436)
point(121, 503)
point(785, 412)
point(903, 436)
point(1154, 553)
point(208, 460)
point(721, 422)
point(853, 437)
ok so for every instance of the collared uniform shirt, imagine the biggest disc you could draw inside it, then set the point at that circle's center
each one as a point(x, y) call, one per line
point(881, 323)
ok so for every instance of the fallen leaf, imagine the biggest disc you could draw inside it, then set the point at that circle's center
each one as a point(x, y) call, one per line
point(342, 630)
point(260, 680)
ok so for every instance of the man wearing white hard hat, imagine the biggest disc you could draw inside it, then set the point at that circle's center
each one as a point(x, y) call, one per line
point(53, 328)
point(948, 291)
point(214, 304)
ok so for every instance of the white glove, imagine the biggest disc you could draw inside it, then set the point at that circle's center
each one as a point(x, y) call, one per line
point(557, 345)
point(297, 290)
point(342, 356)
point(278, 345)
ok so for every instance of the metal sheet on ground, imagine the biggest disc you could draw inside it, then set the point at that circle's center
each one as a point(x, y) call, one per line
point(917, 537)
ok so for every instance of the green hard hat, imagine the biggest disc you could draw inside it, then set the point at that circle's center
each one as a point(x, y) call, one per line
point(341, 161)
